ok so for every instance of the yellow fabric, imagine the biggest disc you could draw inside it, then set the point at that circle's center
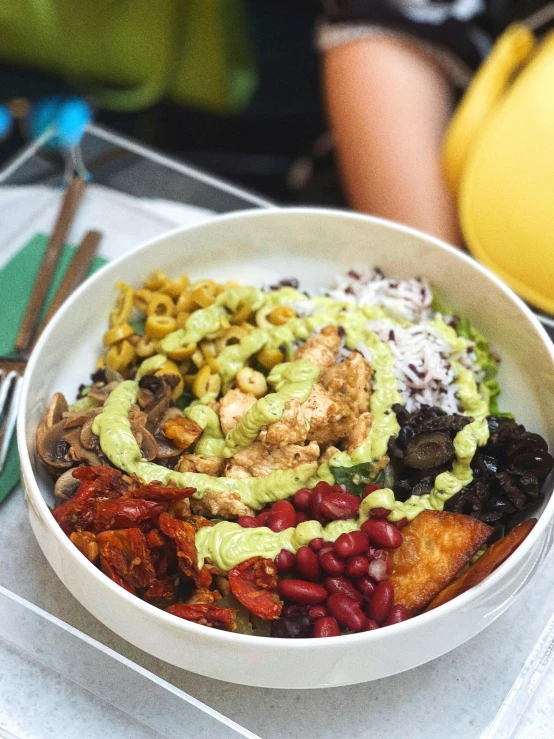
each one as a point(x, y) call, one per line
point(132, 53)
point(499, 161)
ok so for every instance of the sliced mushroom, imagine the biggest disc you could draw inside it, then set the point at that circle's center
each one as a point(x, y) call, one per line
point(156, 413)
point(113, 376)
point(146, 441)
point(88, 439)
point(52, 446)
point(77, 451)
point(80, 418)
point(58, 406)
point(166, 449)
point(66, 485)
point(100, 392)
point(145, 397)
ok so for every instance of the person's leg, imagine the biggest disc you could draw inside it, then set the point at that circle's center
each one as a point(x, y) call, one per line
point(389, 106)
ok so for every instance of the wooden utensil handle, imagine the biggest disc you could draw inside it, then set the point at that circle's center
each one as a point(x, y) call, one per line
point(76, 273)
point(70, 202)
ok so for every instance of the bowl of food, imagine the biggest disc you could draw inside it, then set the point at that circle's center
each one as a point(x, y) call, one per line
point(292, 448)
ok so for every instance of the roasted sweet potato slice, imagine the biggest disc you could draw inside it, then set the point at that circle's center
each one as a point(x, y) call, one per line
point(487, 563)
point(437, 544)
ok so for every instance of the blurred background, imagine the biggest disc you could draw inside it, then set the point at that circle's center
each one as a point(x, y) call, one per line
point(255, 116)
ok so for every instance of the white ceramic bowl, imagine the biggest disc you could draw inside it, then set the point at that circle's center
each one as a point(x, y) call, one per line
point(260, 247)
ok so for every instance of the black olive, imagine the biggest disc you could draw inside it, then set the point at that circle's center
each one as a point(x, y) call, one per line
point(429, 450)
point(405, 435)
point(152, 383)
point(99, 376)
point(292, 628)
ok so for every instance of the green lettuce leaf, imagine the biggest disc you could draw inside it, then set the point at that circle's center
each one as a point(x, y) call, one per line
point(357, 477)
point(485, 359)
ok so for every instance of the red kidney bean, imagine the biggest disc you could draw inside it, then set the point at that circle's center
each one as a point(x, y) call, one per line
point(381, 602)
point(400, 524)
point(307, 564)
point(316, 544)
point(284, 561)
point(331, 562)
point(302, 591)
point(365, 585)
point(382, 534)
point(264, 518)
point(397, 614)
point(283, 516)
point(248, 522)
point(301, 517)
point(303, 500)
point(370, 625)
point(316, 612)
point(346, 611)
point(356, 566)
point(370, 489)
point(340, 506)
point(380, 512)
point(379, 566)
point(326, 626)
point(351, 544)
point(282, 505)
point(319, 492)
point(338, 584)
point(327, 546)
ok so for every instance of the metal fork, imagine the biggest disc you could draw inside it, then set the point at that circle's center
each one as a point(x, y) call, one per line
point(10, 389)
point(12, 370)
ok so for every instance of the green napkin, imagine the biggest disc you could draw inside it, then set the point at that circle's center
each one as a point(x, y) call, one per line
point(16, 283)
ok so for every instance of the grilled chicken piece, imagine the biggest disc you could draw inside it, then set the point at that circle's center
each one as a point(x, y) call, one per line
point(291, 429)
point(351, 381)
point(359, 431)
point(320, 349)
point(212, 466)
point(232, 408)
point(258, 461)
point(329, 416)
point(328, 454)
point(220, 505)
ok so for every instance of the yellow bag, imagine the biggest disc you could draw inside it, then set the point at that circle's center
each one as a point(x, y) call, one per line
point(499, 161)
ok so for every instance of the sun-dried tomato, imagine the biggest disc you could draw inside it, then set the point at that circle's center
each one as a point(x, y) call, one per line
point(206, 597)
point(123, 513)
point(86, 543)
point(208, 615)
point(69, 514)
point(155, 539)
point(161, 592)
point(254, 583)
point(124, 552)
point(183, 534)
point(159, 492)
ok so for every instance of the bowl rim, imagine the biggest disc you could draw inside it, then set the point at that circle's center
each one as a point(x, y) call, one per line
point(164, 618)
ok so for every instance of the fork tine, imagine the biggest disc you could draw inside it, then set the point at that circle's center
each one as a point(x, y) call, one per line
point(9, 402)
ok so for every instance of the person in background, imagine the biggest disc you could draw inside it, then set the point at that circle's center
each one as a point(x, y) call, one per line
point(392, 72)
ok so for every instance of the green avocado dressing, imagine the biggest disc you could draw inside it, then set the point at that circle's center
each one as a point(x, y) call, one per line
point(207, 320)
point(120, 446)
point(228, 544)
point(291, 380)
point(212, 441)
point(151, 365)
point(233, 358)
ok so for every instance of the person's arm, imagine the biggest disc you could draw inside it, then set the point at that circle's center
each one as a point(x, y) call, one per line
point(389, 106)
